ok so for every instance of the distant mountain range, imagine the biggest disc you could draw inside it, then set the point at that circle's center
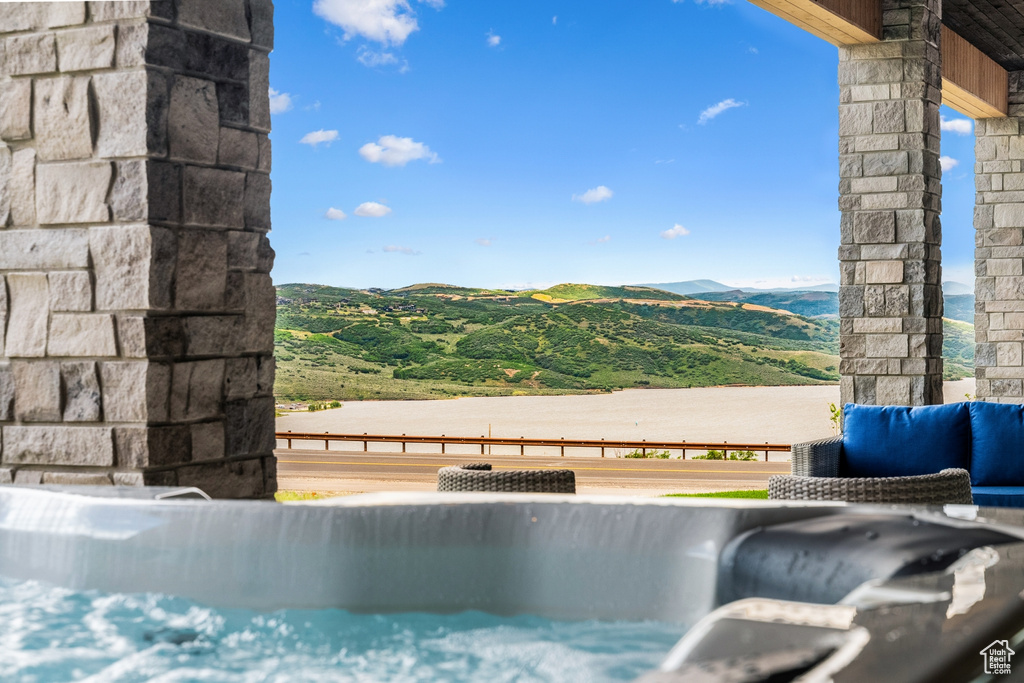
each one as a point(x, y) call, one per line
point(689, 287)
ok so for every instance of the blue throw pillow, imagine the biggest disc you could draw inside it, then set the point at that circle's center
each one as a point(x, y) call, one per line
point(897, 441)
point(997, 444)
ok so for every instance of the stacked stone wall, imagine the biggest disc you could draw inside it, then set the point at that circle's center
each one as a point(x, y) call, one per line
point(890, 294)
point(999, 252)
point(136, 305)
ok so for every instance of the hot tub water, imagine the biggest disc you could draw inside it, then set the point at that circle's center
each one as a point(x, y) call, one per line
point(50, 634)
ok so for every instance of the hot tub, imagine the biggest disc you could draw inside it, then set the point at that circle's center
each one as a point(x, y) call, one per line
point(564, 559)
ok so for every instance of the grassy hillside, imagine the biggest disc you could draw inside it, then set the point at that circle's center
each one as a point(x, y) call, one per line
point(436, 341)
point(809, 304)
point(573, 292)
point(959, 307)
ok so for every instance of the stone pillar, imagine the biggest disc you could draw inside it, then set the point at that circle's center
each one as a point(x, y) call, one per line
point(999, 252)
point(890, 294)
point(134, 262)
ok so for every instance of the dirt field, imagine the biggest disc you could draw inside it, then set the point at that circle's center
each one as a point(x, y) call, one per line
point(734, 414)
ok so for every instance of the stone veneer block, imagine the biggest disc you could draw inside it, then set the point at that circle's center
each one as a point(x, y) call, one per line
point(262, 12)
point(62, 123)
point(6, 393)
point(259, 95)
point(105, 10)
point(73, 193)
point(29, 314)
point(25, 16)
point(122, 129)
point(194, 129)
point(58, 445)
point(30, 54)
point(132, 265)
point(22, 187)
point(37, 391)
point(207, 441)
point(43, 249)
point(197, 390)
point(5, 184)
point(239, 148)
point(81, 335)
point(136, 391)
point(214, 197)
point(3, 314)
point(16, 109)
point(202, 270)
point(226, 17)
point(85, 49)
point(70, 291)
point(82, 391)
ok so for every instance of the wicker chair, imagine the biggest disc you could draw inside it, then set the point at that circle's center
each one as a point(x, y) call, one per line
point(479, 477)
point(948, 486)
point(815, 468)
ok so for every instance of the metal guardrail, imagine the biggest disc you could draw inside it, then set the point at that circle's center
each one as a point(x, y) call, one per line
point(522, 442)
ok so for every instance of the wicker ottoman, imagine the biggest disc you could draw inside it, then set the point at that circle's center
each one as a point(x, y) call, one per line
point(479, 477)
point(948, 486)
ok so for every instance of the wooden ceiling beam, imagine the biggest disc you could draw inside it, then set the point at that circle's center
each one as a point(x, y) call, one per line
point(840, 22)
point(972, 83)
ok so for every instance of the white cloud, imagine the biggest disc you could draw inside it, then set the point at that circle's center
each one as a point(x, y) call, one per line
point(592, 196)
point(484, 241)
point(371, 58)
point(280, 102)
point(335, 214)
point(319, 137)
point(493, 40)
point(674, 232)
point(948, 163)
point(554, 20)
point(393, 249)
point(388, 22)
point(391, 150)
point(958, 126)
point(372, 210)
point(602, 240)
point(716, 109)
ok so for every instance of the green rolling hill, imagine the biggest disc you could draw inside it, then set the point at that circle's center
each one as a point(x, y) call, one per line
point(440, 341)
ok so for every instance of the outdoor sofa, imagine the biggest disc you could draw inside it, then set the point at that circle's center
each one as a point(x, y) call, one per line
point(897, 454)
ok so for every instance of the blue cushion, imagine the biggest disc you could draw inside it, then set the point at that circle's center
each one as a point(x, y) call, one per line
point(997, 444)
point(897, 441)
point(998, 496)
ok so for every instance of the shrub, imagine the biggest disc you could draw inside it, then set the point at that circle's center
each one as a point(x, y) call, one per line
point(639, 453)
point(721, 455)
point(743, 455)
point(710, 455)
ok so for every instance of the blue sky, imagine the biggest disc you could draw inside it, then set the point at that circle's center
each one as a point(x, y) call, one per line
point(522, 143)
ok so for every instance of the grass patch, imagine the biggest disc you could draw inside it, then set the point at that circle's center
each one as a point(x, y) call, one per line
point(283, 496)
point(757, 494)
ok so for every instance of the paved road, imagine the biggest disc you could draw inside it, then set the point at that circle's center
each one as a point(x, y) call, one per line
point(356, 471)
